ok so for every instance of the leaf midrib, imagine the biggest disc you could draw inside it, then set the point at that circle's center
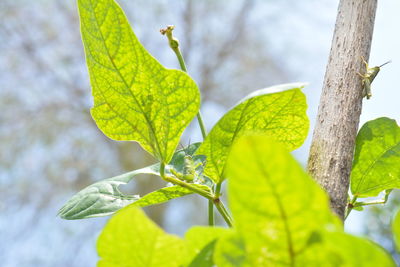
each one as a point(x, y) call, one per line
point(234, 135)
point(282, 212)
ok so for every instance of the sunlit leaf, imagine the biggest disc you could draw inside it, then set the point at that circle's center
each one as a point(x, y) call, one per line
point(341, 249)
point(282, 217)
point(276, 206)
point(376, 165)
point(135, 97)
point(131, 239)
point(230, 251)
point(104, 198)
point(279, 112)
point(162, 195)
point(200, 244)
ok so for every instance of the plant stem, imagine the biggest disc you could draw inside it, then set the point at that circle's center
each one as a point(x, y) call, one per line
point(210, 196)
point(201, 124)
point(210, 213)
point(373, 202)
point(222, 210)
point(361, 204)
point(174, 44)
point(218, 189)
point(189, 186)
point(350, 207)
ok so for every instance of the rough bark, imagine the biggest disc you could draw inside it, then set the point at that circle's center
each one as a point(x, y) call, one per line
point(340, 105)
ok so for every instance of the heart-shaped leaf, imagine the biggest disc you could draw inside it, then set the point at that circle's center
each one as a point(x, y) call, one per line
point(278, 111)
point(135, 97)
point(276, 206)
point(282, 217)
point(376, 165)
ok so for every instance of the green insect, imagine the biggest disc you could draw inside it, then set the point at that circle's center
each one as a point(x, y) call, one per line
point(369, 76)
point(189, 169)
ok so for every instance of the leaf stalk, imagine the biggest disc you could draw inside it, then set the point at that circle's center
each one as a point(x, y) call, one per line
point(174, 44)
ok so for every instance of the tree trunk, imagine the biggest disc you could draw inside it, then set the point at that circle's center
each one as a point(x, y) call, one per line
point(332, 147)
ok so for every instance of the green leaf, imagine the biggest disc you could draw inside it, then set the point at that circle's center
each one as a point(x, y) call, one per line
point(396, 230)
point(341, 249)
point(276, 206)
point(162, 195)
point(135, 97)
point(104, 198)
point(131, 239)
point(282, 217)
point(358, 208)
point(376, 165)
point(230, 251)
point(279, 112)
point(200, 244)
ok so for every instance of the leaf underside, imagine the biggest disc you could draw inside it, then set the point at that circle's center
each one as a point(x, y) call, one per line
point(104, 197)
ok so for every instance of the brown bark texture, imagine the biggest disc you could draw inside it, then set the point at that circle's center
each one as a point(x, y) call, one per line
point(332, 147)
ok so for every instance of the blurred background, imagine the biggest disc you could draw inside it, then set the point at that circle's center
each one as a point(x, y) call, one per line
point(50, 148)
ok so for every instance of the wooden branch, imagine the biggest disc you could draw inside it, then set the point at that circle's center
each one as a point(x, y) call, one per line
point(332, 147)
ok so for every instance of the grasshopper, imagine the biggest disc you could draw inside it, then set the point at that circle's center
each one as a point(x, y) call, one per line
point(369, 76)
point(189, 168)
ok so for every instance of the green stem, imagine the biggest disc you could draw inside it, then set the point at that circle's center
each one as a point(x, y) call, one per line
point(210, 196)
point(218, 189)
point(222, 210)
point(212, 199)
point(180, 57)
point(189, 186)
point(202, 126)
point(374, 202)
point(162, 170)
point(210, 213)
point(361, 204)
point(350, 206)
point(174, 44)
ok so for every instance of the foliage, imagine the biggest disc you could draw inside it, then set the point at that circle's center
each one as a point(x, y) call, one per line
point(281, 217)
point(104, 198)
point(145, 244)
point(281, 115)
point(135, 97)
point(272, 225)
point(376, 164)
